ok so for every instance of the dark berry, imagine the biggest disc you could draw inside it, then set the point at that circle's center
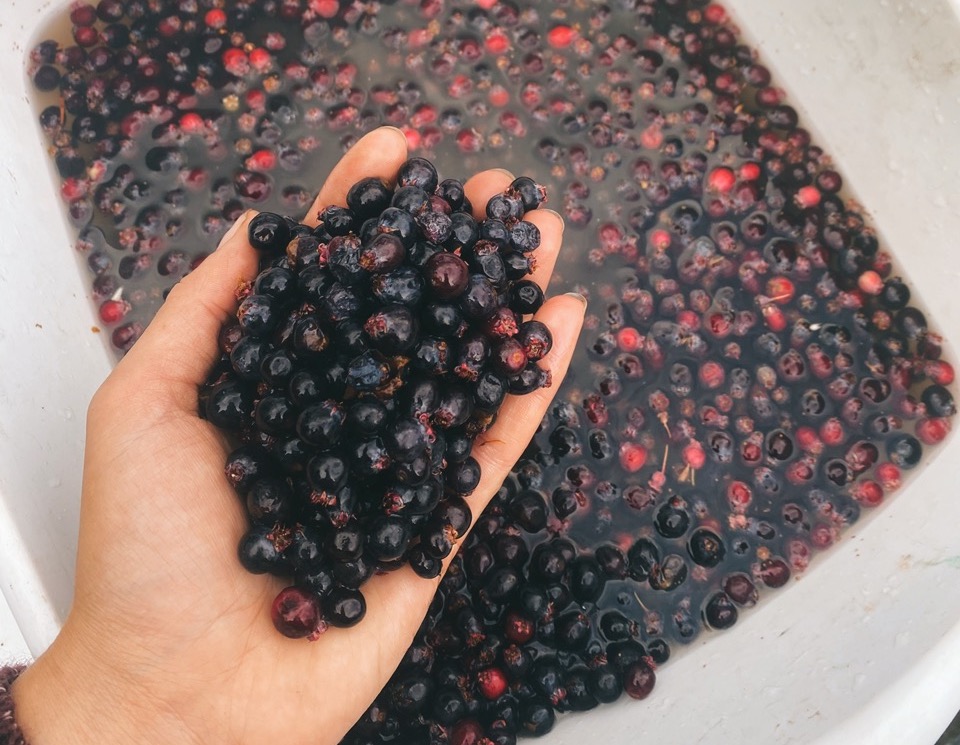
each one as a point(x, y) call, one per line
point(706, 548)
point(368, 198)
point(344, 607)
point(526, 297)
point(229, 405)
point(446, 275)
point(719, 611)
point(419, 172)
point(524, 237)
point(262, 551)
point(638, 680)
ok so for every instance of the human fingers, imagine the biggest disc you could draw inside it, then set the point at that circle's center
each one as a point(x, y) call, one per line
point(178, 348)
point(379, 154)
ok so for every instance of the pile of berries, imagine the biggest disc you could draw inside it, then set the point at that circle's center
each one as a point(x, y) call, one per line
point(753, 373)
point(367, 356)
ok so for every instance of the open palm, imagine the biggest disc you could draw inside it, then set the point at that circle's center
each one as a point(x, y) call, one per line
point(169, 639)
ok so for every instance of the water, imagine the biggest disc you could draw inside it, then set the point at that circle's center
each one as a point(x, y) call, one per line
point(750, 365)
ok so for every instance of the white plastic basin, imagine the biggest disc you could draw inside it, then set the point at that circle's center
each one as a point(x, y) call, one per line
point(864, 647)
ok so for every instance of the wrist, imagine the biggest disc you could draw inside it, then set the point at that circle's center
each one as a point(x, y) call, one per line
point(75, 696)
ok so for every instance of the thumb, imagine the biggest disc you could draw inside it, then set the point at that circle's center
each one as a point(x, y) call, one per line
point(178, 348)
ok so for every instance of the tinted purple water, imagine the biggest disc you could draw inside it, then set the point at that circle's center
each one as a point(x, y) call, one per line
point(752, 374)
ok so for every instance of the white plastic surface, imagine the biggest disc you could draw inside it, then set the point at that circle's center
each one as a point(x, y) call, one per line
point(865, 647)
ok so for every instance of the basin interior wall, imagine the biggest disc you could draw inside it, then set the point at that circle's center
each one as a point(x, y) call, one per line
point(864, 647)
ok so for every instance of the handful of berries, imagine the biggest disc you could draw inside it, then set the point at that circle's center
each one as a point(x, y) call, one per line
point(366, 357)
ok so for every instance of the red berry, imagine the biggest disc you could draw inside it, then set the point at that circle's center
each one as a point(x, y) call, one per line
point(749, 172)
point(498, 96)
point(693, 455)
point(191, 123)
point(261, 59)
point(497, 43)
point(721, 180)
point(889, 476)
point(215, 18)
point(112, 311)
point(808, 440)
point(780, 290)
point(868, 493)
point(560, 37)
point(870, 282)
point(939, 371)
point(808, 196)
point(492, 683)
point(262, 160)
point(325, 8)
point(739, 496)
point(296, 613)
point(629, 339)
point(632, 457)
point(931, 431)
point(831, 432)
point(712, 374)
point(714, 14)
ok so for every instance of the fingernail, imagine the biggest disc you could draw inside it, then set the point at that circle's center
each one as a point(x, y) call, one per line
point(234, 228)
point(505, 172)
point(563, 224)
point(578, 296)
point(395, 129)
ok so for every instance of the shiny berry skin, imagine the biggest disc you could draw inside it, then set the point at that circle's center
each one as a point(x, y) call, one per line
point(368, 198)
point(480, 299)
point(510, 357)
point(720, 612)
point(536, 340)
point(489, 391)
point(531, 194)
point(465, 477)
point(320, 424)
point(269, 233)
point(904, 451)
point(453, 408)
point(939, 401)
point(446, 276)
point(344, 607)
point(605, 684)
point(296, 613)
point(706, 548)
point(229, 405)
point(336, 220)
point(257, 315)
point(392, 330)
point(262, 551)
point(529, 379)
point(405, 439)
point(244, 466)
point(492, 683)
point(383, 254)
point(388, 538)
point(526, 297)
point(421, 173)
point(424, 564)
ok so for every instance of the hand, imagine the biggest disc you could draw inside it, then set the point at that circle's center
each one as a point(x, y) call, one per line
point(169, 638)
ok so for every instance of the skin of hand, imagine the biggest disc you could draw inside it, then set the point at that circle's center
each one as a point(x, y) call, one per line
point(169, 639)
